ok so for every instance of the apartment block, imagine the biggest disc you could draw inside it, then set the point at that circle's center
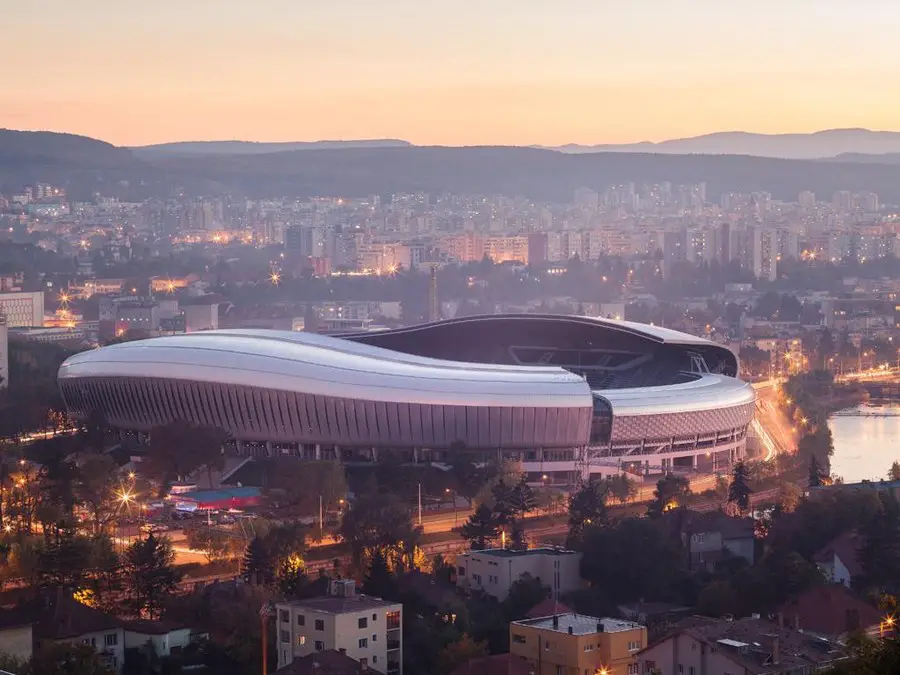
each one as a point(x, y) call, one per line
point(494, 571)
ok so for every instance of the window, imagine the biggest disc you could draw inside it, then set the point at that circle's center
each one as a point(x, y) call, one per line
point(589, 648)
point(363, 643)
point(680, 668)
point(461, 571)
point(699, 538)
point(634, 645)
point(518, 639)
point(374, 637)
point(285, 636)
point(374, 616)
point(285, 616)
point(560, 670)
point(363, 663)
point(363, 622)
point(692, 671)
point(343, 651)
point(375, 659)
point(320, 624)
point(301, 640)
point(301, 619)
point(320, 646)
point(111, 639)
point(634, 669)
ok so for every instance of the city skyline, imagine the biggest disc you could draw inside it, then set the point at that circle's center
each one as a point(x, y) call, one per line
point(431, 74)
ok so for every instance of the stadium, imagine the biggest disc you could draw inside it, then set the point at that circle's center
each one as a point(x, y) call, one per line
point(565, 396)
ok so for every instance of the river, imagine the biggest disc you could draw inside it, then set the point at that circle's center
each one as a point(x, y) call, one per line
point(866, 441)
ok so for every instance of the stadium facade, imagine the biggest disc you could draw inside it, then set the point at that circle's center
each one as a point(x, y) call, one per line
point(566, 396)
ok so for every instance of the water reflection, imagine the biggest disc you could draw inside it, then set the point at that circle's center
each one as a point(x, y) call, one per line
point(866, 441)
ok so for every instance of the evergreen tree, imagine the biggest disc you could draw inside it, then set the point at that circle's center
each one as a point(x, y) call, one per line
point(671, 492)
point(480, 529)
point(504, 503)
point(150, 577)
point(880, 554)
point(739, 491)
point(257, 566)
point(816, 475)
point(586, 507)
point(379, 581)
point(522, 499)
point(292, 580)
point(894, 473)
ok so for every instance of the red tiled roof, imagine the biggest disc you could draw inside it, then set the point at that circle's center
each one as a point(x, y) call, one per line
point(830, 610)
point(547, 607)
point(499, 664)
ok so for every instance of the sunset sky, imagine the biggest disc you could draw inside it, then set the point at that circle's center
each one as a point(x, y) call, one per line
point(449, 72)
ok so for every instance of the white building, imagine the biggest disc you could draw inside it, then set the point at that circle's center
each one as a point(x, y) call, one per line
point(494, 571)
point(22, 309)
point(166, 639)
point(367, 629)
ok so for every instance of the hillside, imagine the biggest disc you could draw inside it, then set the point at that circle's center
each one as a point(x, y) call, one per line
point(817, 145)
point(85, 166)
point(188, 148)
point(540, 174)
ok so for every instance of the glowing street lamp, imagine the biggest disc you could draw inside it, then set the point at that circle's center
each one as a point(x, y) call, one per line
point(274, 277)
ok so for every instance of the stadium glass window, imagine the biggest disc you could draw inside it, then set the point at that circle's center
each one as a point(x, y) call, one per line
point(601, 423)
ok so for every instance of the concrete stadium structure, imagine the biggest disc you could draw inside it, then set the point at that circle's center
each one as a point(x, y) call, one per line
point(565, 396)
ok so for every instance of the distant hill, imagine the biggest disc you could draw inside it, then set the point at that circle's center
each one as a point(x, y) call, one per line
point(253, 148)
point(535, 173)
point(818, 145)
point(861, 158)
point(85, 166)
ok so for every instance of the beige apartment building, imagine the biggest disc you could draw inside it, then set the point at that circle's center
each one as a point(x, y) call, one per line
point(494, 571)
point(575, 644)
point(366, 629)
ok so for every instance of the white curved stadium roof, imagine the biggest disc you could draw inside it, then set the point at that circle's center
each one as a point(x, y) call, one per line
point(327, 366)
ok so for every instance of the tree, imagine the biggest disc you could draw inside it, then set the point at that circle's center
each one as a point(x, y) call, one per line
point(95, 488)
point(67, 658)
point(213, 543)
point(379, 521)
point(303, 483)
point(739, 491)
point(459, 652)
point(504, 502)
point(150, 577)
point(481, 529)
point(257, 566)
point(63, 562)
point(522, 498)
point(180, 448)
point(870, 657)
point(894, 473)
point(525, 594)
point(621, 487)
point(880, 554)
point(816, 475)
point(586, 507)
point(379, 581)
point(671, 492)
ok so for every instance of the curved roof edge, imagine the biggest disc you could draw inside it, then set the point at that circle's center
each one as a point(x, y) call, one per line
point(328, 366)
point(709, 392)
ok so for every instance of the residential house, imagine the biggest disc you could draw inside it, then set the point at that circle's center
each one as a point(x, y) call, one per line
point(494, 571)
point(702, 646)
point(571, 644)
point(832, 611)
point(839, 559)
point(714, 536)
point(60, 618)
point(166, 638)
point(367, 629)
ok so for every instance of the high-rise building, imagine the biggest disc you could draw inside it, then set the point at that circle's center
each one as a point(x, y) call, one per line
point(806, 199)
point(765, 250)
point(4, 353)
point(23, 310)
point(366, 629)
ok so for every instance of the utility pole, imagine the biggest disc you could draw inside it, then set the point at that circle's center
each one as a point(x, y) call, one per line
point(321, 516)
point(420, 505)
point(264, 613)
point(434, 311)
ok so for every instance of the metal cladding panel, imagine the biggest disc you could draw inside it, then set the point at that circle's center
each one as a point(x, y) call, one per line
point(265, 415)
point(677, 424)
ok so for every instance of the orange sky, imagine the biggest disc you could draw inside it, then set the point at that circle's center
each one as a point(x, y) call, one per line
point(444, 72)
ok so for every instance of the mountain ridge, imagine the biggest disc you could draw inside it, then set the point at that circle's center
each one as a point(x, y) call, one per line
point(237, 147)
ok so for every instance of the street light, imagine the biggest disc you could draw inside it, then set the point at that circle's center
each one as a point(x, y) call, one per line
point(455, 513)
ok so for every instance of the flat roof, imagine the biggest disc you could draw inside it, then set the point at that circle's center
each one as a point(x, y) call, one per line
point(337, 605)
point(509, 553)
point(581, 624)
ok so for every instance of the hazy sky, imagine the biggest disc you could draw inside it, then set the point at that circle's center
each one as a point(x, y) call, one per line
point(451, 72)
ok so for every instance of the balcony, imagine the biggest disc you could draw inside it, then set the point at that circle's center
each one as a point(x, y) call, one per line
point(393, 644)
